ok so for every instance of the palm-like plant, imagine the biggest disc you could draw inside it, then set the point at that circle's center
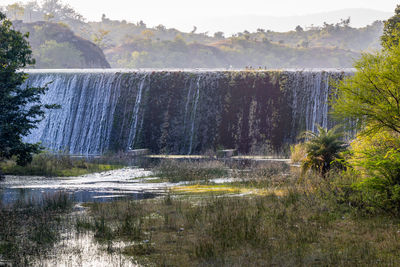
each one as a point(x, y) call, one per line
point(323, 150)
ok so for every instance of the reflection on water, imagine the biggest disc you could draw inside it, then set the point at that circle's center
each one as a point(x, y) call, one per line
point(107, 186)
point(11, 195)
point(82, 250)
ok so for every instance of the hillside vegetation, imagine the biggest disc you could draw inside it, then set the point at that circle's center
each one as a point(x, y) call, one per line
point(135, 45)
point(54, 45)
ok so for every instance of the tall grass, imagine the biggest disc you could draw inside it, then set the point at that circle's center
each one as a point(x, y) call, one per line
point(306, 226)
point(177, 171)
point(30, 227)
point(263, 175)
point(46, 164)
point(298, 153)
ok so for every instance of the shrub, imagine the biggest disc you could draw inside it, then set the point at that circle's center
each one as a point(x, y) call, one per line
point(298, 153)
point(323, 150)
point(377, 159)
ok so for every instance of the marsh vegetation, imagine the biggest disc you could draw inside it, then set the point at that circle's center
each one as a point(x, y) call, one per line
point(266, 214)
point(300, 222)
point(30, 227)
point(61, 165)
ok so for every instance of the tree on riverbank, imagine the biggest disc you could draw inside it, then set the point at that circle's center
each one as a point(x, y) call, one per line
point(372, 96)
point(20, 106)
point(372, 99)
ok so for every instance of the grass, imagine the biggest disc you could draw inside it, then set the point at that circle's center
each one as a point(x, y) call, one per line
point(298, 153)
point(30, 227)
point(263, 175)
point(281, 220)
point(293, 222)
point(230, 231)
point(223, 189)
point(46, 164)
point(201, 189)
point(178, 171)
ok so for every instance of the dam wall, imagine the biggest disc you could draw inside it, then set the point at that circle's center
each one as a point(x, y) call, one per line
point(180, 111)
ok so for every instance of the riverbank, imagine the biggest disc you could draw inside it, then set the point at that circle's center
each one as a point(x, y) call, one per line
point(56, 165)
point(219, 214)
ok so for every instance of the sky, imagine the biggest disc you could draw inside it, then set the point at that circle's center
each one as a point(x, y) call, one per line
point(170, 12)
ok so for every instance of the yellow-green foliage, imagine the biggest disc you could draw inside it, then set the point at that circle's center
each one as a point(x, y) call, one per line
point(224, 189)
point(372, 96)
point(371, 99)
point(298, 153)
point(62, 54)
point(376, 157)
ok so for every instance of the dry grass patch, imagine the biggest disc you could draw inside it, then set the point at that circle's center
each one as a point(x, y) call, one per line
point(293, 229)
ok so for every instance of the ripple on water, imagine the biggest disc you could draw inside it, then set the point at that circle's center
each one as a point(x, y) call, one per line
point(99, 187)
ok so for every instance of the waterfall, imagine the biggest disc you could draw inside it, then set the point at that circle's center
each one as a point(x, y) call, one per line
point(136, 108)
point(179, 111)
point(194, 112)
point(310, 99)
point(82, 124)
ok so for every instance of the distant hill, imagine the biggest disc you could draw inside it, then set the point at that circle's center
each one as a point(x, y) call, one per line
point(67, 40)
point(234, 52)
point(232, 24)
point(54, 45)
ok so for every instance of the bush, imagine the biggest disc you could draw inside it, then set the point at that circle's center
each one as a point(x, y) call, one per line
point(376, 157)
point(298, 153)
point(323, 150)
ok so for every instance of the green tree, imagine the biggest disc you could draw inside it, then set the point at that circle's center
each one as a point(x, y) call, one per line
point(48, 16)
point(323, 150)
point(391, 29)
point(371, 98)
point(299, 29)
point(376, 159)
point(100, 38)
point(16, 10)
point(219, 35)
point(52, 55)
point(20, 106)
point(372, 95)
point(378, 155)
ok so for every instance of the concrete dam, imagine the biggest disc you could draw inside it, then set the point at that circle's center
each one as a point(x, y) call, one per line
point(180, 111)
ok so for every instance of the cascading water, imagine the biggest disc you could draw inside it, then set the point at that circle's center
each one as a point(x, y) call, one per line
point(194, 113)
point(135, 117)
point(310, 98)
point(179, 111)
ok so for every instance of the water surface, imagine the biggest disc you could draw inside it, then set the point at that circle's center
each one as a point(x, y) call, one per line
point(131, 182)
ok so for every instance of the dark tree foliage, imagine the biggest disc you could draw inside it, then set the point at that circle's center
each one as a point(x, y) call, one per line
point(20, 106)
point(391, 29)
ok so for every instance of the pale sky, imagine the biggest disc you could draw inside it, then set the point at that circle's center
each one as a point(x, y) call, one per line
point(168, 12)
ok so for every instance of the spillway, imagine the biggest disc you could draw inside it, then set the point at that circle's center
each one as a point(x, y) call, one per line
point(180, 111)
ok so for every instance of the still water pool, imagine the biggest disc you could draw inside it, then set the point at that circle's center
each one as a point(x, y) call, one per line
point(131, 182)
